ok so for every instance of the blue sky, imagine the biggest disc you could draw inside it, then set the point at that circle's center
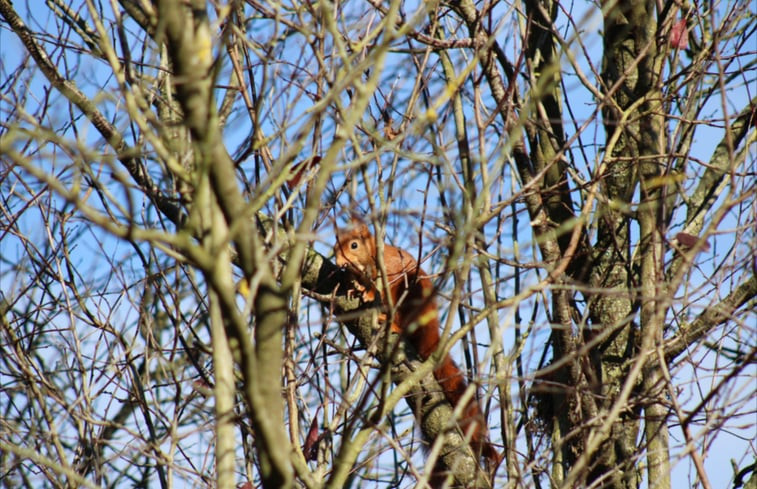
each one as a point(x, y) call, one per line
point(97, 250)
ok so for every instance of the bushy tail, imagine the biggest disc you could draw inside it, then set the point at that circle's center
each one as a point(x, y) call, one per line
point(472, 421)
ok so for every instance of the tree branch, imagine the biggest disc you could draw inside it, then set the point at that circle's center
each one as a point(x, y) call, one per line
point(705, 194)
point(711, 318)
point(133, 165)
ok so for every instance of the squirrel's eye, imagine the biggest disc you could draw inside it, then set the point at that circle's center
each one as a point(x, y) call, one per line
point(354, 245)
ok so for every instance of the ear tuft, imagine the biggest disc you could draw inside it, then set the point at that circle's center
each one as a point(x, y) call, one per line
point(358, 226)
point(356, 221)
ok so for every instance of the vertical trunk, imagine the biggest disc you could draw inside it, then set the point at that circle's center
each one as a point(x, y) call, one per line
point(635, 146)
point(223, 367)
point(654, 293)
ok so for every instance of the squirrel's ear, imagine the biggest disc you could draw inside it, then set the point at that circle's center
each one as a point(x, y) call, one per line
point(355, 221)
point(359, 225)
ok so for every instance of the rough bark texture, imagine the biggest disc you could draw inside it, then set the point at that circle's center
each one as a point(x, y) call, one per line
point(617, 225)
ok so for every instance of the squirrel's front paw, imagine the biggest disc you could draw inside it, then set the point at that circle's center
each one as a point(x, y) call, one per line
point(359, 290)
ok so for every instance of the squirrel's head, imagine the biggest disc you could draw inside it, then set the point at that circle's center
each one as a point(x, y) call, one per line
point(355, 247)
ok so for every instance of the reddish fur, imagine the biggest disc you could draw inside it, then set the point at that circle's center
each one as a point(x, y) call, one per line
point(412, 295)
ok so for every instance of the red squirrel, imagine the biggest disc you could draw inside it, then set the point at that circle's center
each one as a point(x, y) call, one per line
point(416, 317)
